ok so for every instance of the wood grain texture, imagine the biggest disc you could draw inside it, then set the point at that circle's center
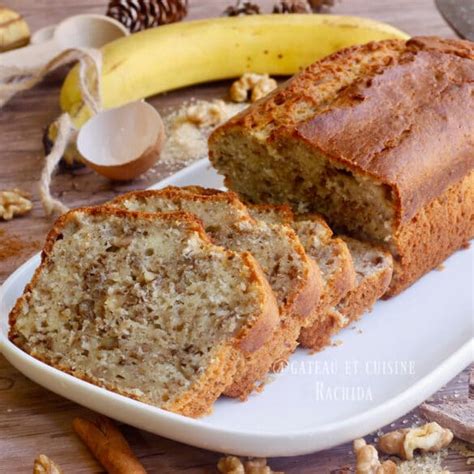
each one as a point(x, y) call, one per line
point(34, 420)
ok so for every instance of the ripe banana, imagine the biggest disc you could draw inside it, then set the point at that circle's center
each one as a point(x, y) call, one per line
point(181, 54)
point(14, 31)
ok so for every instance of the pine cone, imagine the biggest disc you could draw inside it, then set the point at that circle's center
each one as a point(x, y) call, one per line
point(242, 8)
point(302, 6)
point(139, 15)
point(320, 5)
point(292, 6)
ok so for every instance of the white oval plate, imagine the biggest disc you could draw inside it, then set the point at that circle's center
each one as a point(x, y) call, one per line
point(402, 352)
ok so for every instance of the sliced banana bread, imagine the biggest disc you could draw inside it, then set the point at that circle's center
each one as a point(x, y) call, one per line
point(334, 260)
point(144, 305)
point(337, 267)
point(355, 274)
point(373, 267)
point(293, 276)
point(378, 138)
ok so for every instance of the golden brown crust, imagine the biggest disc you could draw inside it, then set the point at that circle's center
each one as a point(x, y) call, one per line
point(193, 193)
point(367, 105)
point(398, 112)
point(455, 47)
point(283, 211)
point(198, 400)
point(275, 353)
point(308, 298)
point(256, 336)
point(301, 303)
point(317, 337)
point(318, 334)
point(344, 279)
point(283, 342)
point(363, 297)
point(425, 85)
point(433, 234)
point(352, 306)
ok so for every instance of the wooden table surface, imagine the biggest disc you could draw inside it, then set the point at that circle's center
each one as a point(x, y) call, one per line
point(34, 420)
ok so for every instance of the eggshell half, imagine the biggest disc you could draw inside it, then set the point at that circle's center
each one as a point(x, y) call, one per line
point(122, 143)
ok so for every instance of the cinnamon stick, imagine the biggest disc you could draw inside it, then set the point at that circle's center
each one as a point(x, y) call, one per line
point(108, 445)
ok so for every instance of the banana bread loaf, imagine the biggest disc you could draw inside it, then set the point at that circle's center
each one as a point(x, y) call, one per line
point(144, 305)
point(379, 138)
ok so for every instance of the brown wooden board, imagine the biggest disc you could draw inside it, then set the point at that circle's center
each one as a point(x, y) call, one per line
point(34, 420)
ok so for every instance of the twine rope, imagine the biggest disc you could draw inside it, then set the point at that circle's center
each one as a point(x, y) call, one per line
point(65, 131)
point(14, 80)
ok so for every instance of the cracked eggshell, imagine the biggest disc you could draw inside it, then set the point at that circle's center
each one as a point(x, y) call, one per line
point(122, 143)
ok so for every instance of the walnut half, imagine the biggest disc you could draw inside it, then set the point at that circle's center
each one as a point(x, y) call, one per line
point(44, 465)
point(427, 438)
point(233, 465)
point(206, 114)
point(230, 465)
point(257, 85)
point(13, 203)
point(367, 460)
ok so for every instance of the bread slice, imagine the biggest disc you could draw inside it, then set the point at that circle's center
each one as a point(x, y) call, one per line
point(337, 267)
point(292, 275)
point(331, 253)
point(377, 138)
point(144, 305)
point(374, 267)
point(355, 274)
point(334, 260)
